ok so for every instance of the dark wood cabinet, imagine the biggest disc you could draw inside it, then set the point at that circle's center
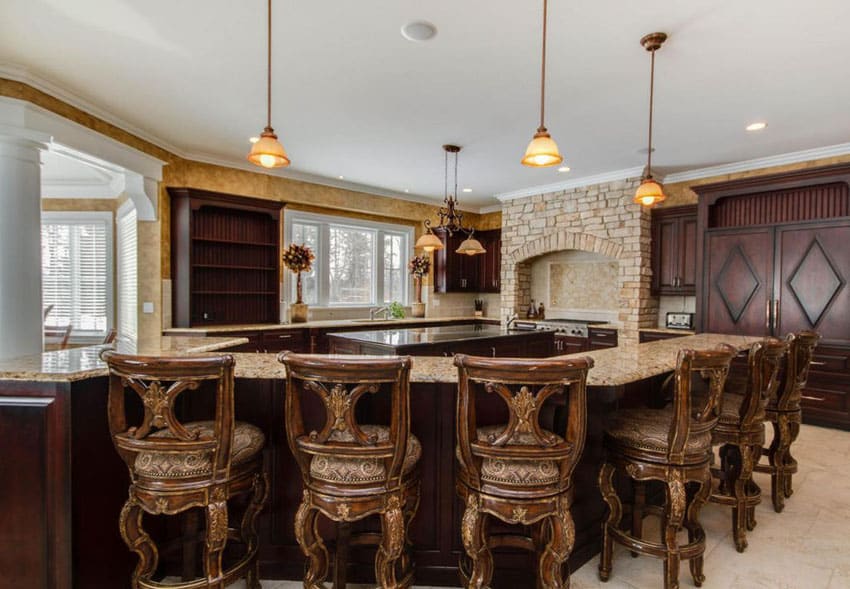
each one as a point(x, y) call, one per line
point(225, 258)
point(454, 272)
point(674, 250)
point(490, 263)
point(654, 336)
point(775, 259)
point(534, 344)
point(600, 338)
point(569, 344)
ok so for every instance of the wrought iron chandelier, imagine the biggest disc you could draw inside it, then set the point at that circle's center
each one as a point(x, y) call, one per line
point(451, 219)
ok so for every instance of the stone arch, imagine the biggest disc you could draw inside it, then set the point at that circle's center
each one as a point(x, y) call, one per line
point(566, 240)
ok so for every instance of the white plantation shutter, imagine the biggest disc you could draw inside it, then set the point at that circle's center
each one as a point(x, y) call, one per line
point(127, 272)
point(76, 266)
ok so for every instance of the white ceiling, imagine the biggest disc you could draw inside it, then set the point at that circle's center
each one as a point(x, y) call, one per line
point(351, 97)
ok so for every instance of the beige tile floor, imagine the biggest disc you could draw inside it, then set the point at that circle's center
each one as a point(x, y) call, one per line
point(805, 547)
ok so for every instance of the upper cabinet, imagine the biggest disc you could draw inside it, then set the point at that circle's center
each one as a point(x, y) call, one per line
point(225, 258)
point(454, 272)
point(674, 250)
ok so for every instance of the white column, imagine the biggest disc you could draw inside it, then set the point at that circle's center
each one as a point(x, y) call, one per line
point(20, 241)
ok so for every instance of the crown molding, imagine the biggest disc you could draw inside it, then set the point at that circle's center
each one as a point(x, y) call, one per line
point(793, 157)
point(490, 209)
point(574, 183)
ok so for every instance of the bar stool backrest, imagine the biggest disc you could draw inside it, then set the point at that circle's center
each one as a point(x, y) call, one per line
point(524, 385)
point(763, 363)
point(693, 418)
point(155, 383)
point(795, 372)
point(340, 382)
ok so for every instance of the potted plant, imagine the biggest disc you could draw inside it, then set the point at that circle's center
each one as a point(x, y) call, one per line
point(419, 267)
point(298, 258)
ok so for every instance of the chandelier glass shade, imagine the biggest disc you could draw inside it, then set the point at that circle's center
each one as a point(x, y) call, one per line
point(268, 151)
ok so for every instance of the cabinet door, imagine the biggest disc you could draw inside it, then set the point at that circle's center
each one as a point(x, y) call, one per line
point(665, 254)
point(813, 271)
point(454, 272)
point(295, 340)
point(687, 274)
point(674, 251)
point(738, 281)
point(490, 263)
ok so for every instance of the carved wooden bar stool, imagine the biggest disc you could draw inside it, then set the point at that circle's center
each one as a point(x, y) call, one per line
point(518, 472)
point(671, 445)
point(740, 434)
point(784, 413)
point(352, 470)
point(176, 466)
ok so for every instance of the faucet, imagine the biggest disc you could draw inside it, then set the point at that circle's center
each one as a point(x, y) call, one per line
point(512, 317)
point(374, 311)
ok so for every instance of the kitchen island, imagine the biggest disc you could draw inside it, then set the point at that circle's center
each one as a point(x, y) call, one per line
point(63, 484)
point(475, 340)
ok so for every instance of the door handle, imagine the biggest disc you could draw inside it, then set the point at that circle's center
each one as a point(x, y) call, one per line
point(813, 363)
point(809, 398)
point(767, 316)
point(776, 313)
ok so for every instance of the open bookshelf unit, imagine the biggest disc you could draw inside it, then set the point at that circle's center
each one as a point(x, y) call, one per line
point(225, 258)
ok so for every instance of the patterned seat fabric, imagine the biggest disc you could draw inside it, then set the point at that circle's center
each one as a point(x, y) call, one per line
point(647, 429)
point(339, 469)
point(247, 441)
point(731, 412)
point(513, 472)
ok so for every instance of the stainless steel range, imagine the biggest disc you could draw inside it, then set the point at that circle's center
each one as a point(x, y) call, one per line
point(573, 327)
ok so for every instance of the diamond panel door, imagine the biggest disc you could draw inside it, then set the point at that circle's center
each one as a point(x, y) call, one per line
point(739, 273)
point(812, 280)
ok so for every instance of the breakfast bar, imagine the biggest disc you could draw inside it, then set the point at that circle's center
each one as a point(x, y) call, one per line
point(67, 484)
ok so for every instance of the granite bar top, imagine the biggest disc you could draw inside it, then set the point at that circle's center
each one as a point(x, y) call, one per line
point(669, 330)
point(612, 366)
point(429, 335)
point(327, 324)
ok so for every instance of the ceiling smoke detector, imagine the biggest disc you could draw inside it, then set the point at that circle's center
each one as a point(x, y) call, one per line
point(418, 31)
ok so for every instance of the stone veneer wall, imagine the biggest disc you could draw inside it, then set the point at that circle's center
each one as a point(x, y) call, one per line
point(599, 218)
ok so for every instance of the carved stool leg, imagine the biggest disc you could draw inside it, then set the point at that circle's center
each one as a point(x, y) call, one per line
point(637, 511)
point(343, 537)
point(473, 534)
point(615, 513)
point(539, 537)
point(739, 488)
point(250, 537)
point(695, 529)
point(562, 538)
point(392, 543)
point(216, 538)
point(790, 462)
point(674, 513)
point(137, 540)
point(411, 506)
point(776, 456)
point(307, 535)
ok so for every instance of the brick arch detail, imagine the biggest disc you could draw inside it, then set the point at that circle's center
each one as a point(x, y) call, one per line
point(566, 240)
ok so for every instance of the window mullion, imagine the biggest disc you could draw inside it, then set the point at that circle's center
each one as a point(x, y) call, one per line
point(323, 268)
point(378, 265)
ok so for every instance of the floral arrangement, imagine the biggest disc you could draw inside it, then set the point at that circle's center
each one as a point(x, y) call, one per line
point(419, 266)
point(298, 258)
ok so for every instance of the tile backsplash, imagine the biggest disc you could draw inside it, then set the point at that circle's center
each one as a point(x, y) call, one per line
point(674, 304)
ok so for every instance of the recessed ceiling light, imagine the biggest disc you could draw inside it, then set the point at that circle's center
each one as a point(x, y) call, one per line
point(341, 177)
point(467, 190)
point(756, 126)
point(419, 31)
point(253, 139)
point(564, 169)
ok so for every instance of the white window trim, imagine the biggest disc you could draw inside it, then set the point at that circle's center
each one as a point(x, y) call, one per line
point(323, 278)
point(128, 208)
point(83, 218)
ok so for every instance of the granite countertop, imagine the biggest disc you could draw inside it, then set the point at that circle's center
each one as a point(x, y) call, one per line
point(669, 330)
point(330, 323)
point(430, 335)
point(613, 366)
point(81, 363)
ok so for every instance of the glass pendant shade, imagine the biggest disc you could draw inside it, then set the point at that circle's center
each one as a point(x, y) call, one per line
point(429, 242)
point(542, 151)
point(471, 247)
point(649, 192)
point(268, 151)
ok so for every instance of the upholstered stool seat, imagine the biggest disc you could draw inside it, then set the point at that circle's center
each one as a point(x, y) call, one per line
point(364, 469)
point(247, 441)
point(648, 430)
point(731, 412)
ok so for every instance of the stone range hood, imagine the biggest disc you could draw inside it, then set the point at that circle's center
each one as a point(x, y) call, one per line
point(600, 218)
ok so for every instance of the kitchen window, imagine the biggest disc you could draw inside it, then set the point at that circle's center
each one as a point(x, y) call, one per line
point(76, 271)
point(358, 263)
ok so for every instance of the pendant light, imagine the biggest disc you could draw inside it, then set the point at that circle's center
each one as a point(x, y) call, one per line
point(650, 192)
point(451, 220)
point(268, 152)
point(542, 151)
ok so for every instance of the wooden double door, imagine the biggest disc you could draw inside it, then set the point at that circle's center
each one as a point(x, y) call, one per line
point(776, 279)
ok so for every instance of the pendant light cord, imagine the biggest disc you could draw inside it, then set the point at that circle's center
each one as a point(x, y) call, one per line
point(269, 73)
point(651, 97)
point(543, 69)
